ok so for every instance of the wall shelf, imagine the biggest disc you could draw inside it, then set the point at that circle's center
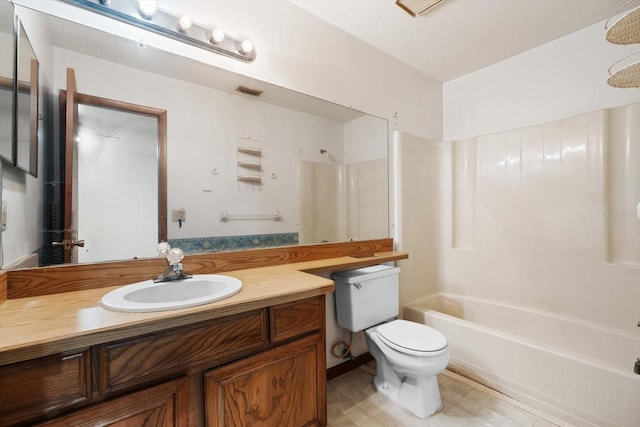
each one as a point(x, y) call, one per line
point(250, 165)
point(250, 178)
point(249, 153)
point(250, 150)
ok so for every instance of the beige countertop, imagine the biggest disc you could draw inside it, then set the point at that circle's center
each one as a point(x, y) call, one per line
point(38, 326)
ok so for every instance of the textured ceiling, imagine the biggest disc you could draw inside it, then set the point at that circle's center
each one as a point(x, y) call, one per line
point(460, 36)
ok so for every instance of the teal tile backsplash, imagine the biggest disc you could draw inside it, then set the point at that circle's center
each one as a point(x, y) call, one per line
point(196, 245)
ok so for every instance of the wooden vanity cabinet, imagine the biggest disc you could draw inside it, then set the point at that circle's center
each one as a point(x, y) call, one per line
point(261, 367)
point(126, 363)
point(279, 387)
point(283, 386)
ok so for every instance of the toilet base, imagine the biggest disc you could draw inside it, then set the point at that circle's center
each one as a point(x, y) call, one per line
point(408, 380)
point(421, 396)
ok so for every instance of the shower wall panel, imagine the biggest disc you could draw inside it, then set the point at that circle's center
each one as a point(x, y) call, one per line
point(622, 178)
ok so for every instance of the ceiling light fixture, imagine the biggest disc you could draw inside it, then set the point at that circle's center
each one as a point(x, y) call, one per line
point(416, 8)
point(144, 14)
point(625, 76)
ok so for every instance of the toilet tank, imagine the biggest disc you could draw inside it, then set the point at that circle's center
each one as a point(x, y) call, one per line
point(366, 296)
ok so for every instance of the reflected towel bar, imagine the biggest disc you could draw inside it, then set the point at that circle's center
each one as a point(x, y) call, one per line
point(225, 216)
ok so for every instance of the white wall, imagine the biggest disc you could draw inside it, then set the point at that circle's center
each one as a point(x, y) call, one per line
point(560, 79)
point(298, 51)
point(365, 138)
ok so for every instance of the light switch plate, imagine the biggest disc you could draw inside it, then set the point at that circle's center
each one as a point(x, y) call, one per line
point(178, 215)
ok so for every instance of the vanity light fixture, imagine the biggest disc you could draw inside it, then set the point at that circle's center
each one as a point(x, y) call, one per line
point(246, 47)
point(216, 37)
point(184, 23)
point(147, 8)
point(145, 14)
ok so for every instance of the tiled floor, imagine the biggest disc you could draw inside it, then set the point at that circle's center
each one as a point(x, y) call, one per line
point(353, 401)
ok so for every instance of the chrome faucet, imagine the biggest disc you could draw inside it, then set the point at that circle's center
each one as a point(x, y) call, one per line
point(175, 270)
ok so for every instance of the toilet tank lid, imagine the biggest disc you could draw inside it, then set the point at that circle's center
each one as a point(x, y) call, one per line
point(403, 334)
point(366, 273)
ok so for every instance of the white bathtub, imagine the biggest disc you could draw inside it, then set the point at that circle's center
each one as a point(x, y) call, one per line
point(577, 371)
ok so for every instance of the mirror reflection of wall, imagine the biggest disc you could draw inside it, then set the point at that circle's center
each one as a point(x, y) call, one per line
point(205, 119)
point(116, 181)
point(23, 193)
point(6, 79)
point(204, 125)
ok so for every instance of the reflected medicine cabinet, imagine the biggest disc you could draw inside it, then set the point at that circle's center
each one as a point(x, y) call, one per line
point(19, 83)
point(26, 108)
point(7, 77)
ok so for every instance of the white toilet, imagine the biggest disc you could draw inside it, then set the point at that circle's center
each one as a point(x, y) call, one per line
point(408, 355)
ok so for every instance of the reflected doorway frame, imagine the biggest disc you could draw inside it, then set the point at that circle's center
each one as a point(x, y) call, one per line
point(68, 128)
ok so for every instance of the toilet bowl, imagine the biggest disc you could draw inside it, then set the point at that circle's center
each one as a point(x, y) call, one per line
point(408, 355)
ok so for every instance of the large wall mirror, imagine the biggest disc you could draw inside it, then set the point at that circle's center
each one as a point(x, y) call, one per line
point(242, 171)
point(7, 61)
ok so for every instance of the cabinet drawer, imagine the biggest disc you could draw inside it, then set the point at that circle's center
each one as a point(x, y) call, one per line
point(163, 405)
point(29, 389)
point(142, 359)
point(292, 319)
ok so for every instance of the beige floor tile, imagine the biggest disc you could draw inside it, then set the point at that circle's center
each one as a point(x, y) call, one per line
point(499, 406)
point(521, 418)
point(352, 401)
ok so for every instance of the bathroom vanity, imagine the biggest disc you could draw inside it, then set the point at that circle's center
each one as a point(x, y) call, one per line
point(257, 357)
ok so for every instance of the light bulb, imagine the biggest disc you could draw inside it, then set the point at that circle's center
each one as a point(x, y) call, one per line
point(147, 8)
point(184, 23)
point(246, 47)
point(217, 35)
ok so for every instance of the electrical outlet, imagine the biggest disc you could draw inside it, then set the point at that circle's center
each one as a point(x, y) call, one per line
point(178, 215)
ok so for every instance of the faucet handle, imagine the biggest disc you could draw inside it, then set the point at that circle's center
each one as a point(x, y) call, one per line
point(175, 255)
point(163, 248)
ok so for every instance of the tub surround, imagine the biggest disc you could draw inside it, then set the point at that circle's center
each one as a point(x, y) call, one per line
point(569, 368)
point(111, 364)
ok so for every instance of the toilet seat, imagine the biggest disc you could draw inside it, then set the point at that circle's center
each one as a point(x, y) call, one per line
point(412, 338)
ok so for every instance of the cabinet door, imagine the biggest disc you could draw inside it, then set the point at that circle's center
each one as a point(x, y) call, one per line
point(164, 405)
point(284, 386)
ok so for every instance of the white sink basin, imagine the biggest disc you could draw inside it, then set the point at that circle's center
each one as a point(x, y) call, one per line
point(148, 296)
